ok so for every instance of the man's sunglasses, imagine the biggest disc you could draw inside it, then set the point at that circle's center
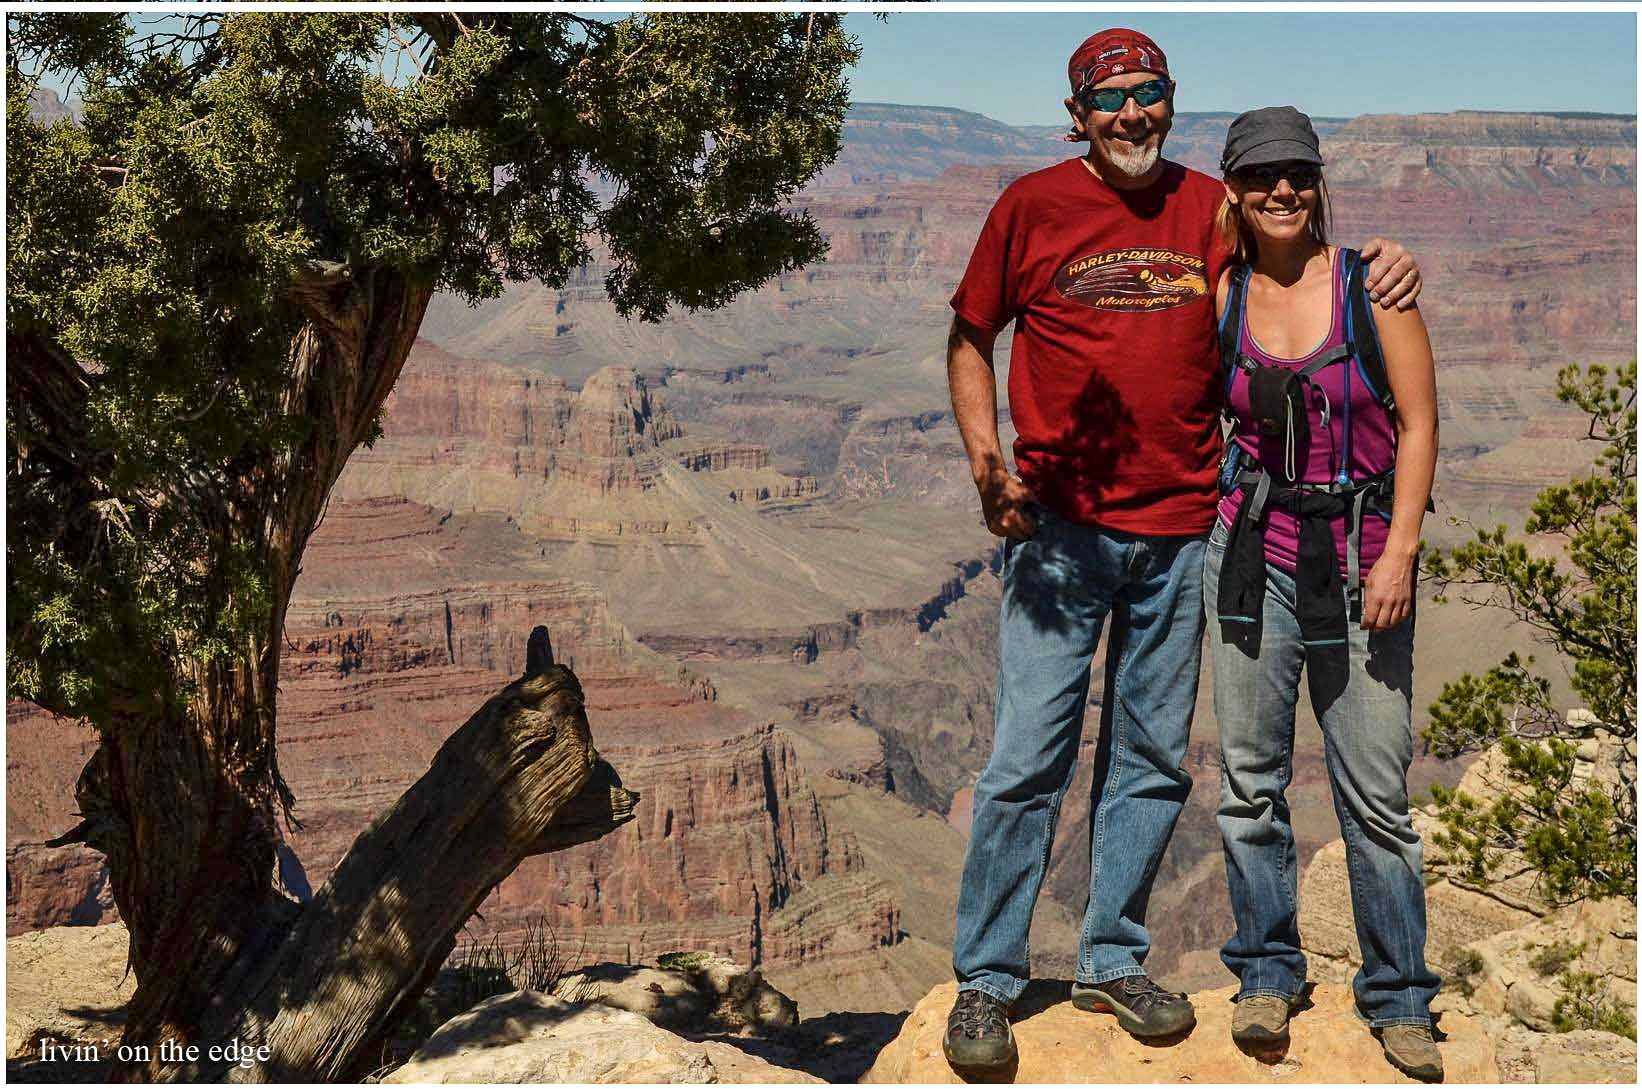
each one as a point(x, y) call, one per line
point(1265, 176)
point(1111, 99)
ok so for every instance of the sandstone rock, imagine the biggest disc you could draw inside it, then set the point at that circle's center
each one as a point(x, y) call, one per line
point(744, 999)
point(1510, 981)
point(68, 983)
point(526, 1037)
point(615, 416)
point(1461, 915)
point(1060, 1043)
point(736, 1066)
point(56, 886)
point(669, 999)
point(1531, 1002)
point(700, 991)
point(1586, 1056)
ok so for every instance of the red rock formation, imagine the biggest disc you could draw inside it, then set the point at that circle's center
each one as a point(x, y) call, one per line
point(388, 649)
point(818, 393)
point(56, 886)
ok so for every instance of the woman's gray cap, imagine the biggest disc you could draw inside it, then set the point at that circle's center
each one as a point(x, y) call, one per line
point(1273, 134)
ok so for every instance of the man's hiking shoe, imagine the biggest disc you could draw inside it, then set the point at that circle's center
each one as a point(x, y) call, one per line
point(1411, 1049)
point(1141, 1006)
point(1262, 1021)
point(977, 1033)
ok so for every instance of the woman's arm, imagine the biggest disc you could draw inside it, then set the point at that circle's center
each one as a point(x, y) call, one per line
point(1388, 592)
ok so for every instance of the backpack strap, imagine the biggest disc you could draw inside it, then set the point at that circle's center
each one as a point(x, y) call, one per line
point(1361, 337)
point(1231, 323)
point(1332, 356)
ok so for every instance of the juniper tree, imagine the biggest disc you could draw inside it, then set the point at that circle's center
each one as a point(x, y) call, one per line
point(215, 278)
point(1579, 596)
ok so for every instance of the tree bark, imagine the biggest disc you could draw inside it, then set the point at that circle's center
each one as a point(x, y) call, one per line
point(184, 800)
point(184, 794)
point(318, 985)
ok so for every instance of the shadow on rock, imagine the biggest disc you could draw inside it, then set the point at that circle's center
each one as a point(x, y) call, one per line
point(1002, 1075)
point(837, 1047)
point(497, 1022)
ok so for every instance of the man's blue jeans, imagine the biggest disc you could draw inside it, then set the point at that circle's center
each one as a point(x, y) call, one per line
point(1367, 745)
point(1058, 589)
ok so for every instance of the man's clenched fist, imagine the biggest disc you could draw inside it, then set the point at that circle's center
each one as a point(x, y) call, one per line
point(1003, 502)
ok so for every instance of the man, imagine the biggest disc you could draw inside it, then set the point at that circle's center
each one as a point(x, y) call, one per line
point(1107, 265)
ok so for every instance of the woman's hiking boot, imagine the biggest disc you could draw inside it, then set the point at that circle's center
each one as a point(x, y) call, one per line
point(1142, 1007)
point(977, 1033)
point(1261, 1021)
point(1411, 1049)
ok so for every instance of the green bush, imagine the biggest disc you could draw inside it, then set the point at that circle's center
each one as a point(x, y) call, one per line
point(1554, 959)
point(1462, 969)
point(1586, 1004)
point(1578, 836)
point(683, 962)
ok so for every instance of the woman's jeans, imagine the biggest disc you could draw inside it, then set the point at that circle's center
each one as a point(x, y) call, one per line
point(1059, 587)
point(1367, 743)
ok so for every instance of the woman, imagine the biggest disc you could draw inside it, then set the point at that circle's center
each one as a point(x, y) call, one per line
point(1325, 414)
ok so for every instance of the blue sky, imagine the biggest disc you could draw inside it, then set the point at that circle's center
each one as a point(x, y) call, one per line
point(1012, 67)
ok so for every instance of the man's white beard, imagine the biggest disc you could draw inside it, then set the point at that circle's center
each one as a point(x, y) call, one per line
point(1133, 160)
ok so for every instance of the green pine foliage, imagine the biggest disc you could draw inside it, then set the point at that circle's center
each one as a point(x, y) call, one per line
point(1578, 835)
point(1585, 1004)
point(156, 251)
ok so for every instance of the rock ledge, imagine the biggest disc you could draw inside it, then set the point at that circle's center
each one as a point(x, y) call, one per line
point(1060, 1043)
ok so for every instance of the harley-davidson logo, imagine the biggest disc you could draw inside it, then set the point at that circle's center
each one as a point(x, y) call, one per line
point(1133, 279)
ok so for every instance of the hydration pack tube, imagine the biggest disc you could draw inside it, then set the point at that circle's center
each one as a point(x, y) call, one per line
point(1362, 339)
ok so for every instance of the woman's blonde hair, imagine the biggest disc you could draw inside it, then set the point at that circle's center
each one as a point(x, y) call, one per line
point(1234, 230)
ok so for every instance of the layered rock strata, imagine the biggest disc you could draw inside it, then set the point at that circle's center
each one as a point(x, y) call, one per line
point(389, 648)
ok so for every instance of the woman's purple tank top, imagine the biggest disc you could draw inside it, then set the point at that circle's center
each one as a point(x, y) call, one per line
point(1373, 443)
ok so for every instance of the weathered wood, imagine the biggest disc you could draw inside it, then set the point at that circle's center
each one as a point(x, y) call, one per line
point(520, 778)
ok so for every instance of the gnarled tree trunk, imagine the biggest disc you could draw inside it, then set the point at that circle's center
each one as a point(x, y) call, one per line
point(317, 985)
point(184, 802)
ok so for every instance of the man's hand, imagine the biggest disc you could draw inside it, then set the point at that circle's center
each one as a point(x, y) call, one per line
point(1003, 501)
point(1392, 277)
point(1388, 592)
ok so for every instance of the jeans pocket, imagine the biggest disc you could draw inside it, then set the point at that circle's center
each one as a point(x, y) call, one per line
point(1219, 535)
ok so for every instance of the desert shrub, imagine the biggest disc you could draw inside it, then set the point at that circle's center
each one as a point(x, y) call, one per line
point(1586, 1004)
point(1578, 835)
point(482, 968)
point(1461, 970)
point(1554, 959)
point(683, 962)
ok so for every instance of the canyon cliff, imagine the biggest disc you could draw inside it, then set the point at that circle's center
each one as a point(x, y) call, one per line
point(753, 534)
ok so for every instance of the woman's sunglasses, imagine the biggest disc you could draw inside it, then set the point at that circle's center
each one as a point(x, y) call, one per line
point(1266, 176)
point(1111, 99)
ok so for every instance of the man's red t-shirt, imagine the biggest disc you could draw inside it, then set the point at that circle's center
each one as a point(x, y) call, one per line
point(1114, 371)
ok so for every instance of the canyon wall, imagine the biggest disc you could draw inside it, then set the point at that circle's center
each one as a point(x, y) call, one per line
point(753, 534)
